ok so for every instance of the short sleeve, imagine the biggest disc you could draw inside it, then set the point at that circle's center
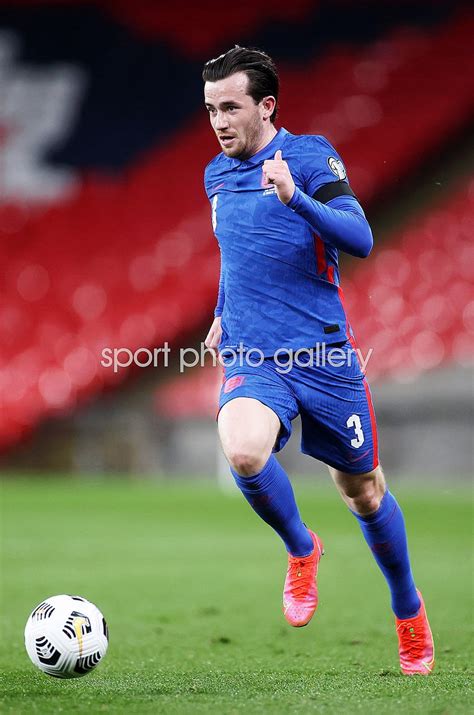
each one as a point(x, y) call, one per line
point(320, 164)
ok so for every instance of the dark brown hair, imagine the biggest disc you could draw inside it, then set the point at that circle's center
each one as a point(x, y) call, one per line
point(257, 65)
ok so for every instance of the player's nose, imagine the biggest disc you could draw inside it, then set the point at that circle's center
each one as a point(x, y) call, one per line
point(221, 121)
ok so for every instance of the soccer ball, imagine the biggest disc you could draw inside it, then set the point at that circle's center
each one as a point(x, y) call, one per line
point(66, 636)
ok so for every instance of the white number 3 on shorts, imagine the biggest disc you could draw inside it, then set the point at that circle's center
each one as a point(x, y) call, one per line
point(354, 421)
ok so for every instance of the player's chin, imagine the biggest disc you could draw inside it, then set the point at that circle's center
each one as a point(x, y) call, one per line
point(230, 151)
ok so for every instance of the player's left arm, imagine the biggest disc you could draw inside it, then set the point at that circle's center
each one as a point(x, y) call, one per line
point(341, 221)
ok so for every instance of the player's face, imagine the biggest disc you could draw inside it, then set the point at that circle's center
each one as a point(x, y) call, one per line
point(238, 122)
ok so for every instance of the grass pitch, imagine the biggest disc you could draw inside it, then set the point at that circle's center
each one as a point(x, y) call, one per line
point(190, 580)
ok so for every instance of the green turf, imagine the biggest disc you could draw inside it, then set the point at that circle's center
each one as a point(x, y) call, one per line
point(190, 583)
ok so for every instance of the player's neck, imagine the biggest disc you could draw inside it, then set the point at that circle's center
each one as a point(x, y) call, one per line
point(267, 137)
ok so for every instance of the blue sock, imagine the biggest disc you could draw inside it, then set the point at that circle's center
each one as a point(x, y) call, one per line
point(385, 533)
point(270, 494)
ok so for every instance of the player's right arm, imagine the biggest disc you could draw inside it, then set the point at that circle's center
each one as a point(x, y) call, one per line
point(220, 296)
point(214, 335)
point(213, 338)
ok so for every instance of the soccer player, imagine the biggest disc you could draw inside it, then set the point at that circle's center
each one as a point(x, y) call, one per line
point(282, 208)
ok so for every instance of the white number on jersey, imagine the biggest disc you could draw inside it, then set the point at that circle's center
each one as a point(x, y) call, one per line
point(214, 211)
point(358, 440)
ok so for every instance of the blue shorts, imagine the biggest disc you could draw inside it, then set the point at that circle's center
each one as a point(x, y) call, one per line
point(332, 397)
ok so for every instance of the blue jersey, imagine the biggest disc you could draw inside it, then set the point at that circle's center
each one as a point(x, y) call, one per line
point(281, 282)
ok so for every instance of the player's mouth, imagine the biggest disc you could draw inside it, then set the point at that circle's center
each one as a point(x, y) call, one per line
point(226, 140)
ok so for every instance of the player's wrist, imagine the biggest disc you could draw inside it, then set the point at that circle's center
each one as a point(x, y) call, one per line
point(290, 194)
point(293, 202)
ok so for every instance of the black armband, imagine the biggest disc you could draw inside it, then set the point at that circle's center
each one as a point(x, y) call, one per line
point(332, 190)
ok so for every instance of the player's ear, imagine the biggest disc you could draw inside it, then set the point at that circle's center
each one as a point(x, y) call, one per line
point(268, 105)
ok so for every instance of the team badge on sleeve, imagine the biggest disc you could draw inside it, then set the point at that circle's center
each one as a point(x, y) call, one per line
point(337, 167)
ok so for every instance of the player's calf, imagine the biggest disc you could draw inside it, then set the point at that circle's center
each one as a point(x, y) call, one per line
point(384, 531)
point(248, 430)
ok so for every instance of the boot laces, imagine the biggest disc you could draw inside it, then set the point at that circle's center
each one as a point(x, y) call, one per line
point(301, 575)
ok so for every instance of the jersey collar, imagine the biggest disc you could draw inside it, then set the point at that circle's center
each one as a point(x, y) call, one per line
point(268, 151)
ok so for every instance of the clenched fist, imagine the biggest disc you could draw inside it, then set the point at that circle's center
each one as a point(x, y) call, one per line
point(276, 171)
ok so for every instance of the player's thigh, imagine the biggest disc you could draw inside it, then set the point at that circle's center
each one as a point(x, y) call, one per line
point(361, 492)
point(337, 415)
point(248, 430)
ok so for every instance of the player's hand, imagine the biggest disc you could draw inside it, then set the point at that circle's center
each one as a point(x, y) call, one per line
point(213, 337)
point(276, 171)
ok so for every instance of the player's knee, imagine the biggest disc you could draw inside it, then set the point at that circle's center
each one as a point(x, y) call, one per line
point(368, 495)
point(366, 502)
point(247, 460)
point(362, 493)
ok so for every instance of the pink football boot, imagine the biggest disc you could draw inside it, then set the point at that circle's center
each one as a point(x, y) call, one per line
point(415, 643)
point(300, 594)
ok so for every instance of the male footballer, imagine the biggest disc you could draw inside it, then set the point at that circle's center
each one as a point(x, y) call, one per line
point(282, 208)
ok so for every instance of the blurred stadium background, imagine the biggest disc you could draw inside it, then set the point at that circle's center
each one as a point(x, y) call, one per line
point(105, 236)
